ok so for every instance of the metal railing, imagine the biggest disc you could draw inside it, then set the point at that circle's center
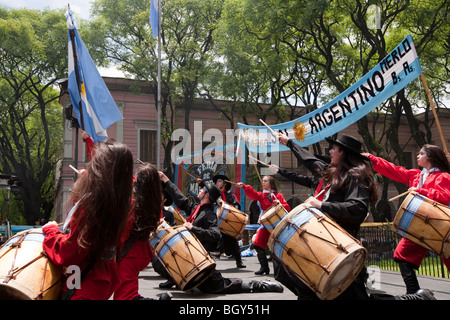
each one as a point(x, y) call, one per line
point(380, 242)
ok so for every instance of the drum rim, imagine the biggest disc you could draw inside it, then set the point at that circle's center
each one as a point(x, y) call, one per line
point(20, 291)
point(205, 273)
point(207, 263)
point(327, 287)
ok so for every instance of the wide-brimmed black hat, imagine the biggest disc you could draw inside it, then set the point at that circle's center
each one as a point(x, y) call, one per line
point(350, 144)
point(224, 178)
point(213, 190)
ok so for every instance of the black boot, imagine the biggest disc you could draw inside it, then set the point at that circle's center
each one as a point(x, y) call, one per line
point(265, 286)
point(262, 258)
point(238, 258)
point(261, 286)
point(409, 276)
point(422, 294)
point(164, 296)
point(167, 285)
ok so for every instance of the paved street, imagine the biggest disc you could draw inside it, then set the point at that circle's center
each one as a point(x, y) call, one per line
point(384, 281)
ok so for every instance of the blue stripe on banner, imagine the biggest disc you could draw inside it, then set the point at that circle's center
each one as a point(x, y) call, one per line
point(408, 215)
point(172, 241)
point(38, 237)
point(285, 235)
point(393, 73)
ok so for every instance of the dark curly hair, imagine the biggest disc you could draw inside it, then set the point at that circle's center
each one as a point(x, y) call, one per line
point(351, 165)
point(437, 157)
point(147, 204)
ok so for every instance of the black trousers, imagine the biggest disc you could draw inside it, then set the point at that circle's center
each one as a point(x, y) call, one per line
point(356, 291)
point(215, 283)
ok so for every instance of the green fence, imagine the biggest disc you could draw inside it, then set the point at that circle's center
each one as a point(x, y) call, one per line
point(380, 242)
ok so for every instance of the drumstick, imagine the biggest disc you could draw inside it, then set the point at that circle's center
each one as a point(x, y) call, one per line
point(320, 193)
point(140, 161)
point(74, 169)
point(271, 130)
point(230, 181)
point(190, 175)
point(259, 161)
point(399, 196)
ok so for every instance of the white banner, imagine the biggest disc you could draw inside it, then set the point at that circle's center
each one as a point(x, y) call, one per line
point(393, 73)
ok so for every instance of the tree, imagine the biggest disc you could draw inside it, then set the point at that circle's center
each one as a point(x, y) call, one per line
point(33, 56)
point(336, 38)
point(187, 40)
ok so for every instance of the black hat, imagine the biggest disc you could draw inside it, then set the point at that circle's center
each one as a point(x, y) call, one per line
point(224, 178)
point(213, 190)
point(350, 144)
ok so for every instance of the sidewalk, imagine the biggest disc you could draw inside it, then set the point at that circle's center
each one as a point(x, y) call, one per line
point(389, 282)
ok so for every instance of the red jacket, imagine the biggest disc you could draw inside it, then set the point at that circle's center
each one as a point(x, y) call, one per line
point(90, 147)
point(436, 187)
point(265, 201)
point(134, 261)
point(63, 250)
point(263, 198)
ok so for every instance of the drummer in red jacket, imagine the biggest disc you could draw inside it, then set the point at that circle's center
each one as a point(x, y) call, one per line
point(102, 195)
point(434, 183)
point(265, 198)
point(135, 252)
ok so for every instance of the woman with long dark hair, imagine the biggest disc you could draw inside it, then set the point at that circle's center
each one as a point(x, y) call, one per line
point(102, 197)
point(135, 253)
point(346, 186)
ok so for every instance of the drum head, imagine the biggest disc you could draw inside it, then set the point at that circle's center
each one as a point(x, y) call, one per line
point(10, 293)
point(344, 271)
point(199, 278)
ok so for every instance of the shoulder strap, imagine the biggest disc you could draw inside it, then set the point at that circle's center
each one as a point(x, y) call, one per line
point(127, 246)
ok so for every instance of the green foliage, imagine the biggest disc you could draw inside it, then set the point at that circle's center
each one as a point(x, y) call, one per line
point(33, 56)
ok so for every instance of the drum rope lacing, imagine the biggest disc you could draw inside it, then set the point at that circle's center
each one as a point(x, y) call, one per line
point(428, 220)
point(174, 253)
point(301, 232)
point(228, 226)
point(14, 271)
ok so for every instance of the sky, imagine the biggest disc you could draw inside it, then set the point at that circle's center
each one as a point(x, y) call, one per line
point(81, 9)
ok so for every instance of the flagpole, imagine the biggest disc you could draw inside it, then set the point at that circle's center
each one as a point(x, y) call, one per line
point(427, 90)
point(75, 65)
point(158, 102)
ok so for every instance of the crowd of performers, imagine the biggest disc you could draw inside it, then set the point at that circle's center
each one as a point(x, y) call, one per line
point(115, 210)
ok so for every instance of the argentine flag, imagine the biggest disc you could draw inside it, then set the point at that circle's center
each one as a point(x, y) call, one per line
point(87, 88)
point(154, 21)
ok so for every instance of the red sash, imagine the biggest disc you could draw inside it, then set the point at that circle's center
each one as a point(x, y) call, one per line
point(194, 213)
point(319, 188)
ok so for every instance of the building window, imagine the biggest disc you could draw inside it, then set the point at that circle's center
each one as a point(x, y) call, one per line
point(409, 162)
point(147, 145)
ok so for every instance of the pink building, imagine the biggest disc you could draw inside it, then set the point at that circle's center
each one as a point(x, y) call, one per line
point(137, 130)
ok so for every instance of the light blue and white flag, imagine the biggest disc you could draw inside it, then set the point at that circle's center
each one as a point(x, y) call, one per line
point(154, 19)
point(393, 73)
point(87, 88)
